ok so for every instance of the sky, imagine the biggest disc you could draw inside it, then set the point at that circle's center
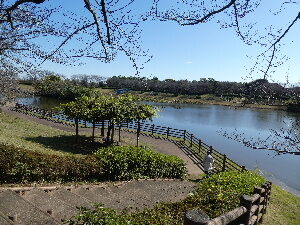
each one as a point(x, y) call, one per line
point(199, 51)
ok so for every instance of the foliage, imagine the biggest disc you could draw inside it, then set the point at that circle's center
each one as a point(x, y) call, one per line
point(221, 192)
point(215, 195)
point(19, 165)
point(54, 86)
point(256, 90)
point(128, 162)
point(116, 110)
point(8, 85)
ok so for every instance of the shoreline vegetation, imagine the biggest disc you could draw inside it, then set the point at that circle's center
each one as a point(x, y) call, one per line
point(179, 99)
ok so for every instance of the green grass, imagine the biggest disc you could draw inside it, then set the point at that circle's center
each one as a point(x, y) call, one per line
point(283, 209)
point(37, 137)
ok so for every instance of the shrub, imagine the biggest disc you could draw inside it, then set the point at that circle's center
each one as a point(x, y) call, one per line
point(20, 165)
point(128, 162)
point(221, 192)
point(215, 195)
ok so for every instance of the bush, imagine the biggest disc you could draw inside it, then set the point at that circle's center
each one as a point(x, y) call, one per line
point(124, 163)
point(18, 165)
point(215, 195)
point(221, 192)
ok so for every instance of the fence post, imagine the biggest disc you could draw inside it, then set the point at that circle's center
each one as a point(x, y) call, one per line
point(224, 162)
point(246, 201)
point(200, 144)
point(191, 143)
point(152, 129)
point(267, 187)
point(258, 190)
point(184, 134)
point(168, 130)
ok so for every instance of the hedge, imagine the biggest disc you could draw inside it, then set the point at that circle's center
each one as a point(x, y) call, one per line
point(18, 165)
point(128, 162)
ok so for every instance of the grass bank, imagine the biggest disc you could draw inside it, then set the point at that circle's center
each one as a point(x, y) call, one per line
point(283, 209)
point(37, 137)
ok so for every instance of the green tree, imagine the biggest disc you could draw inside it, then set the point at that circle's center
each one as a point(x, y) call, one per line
point(115, 110)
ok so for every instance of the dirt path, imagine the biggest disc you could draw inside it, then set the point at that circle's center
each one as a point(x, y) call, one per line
point(157, 144)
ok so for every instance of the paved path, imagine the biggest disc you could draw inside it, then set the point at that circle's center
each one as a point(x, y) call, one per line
point(53, 205)
point(157, 144)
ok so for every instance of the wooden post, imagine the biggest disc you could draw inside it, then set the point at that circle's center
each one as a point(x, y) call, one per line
point(267, 187)
point(191, 143)
point(168, 130)
point(85, 123)
point(258, 190)
point(246, 201)
point(184, 134)
point(224, 162)
point(152, 129)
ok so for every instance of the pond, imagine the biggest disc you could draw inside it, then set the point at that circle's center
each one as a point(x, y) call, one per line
point(206, 122)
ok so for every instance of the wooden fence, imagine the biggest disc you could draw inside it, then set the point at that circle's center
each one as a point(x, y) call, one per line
point(182, 138)
point(251, 210)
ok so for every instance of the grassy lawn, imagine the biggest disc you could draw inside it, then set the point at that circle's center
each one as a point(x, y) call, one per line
point(37, 137)
point(284, 208)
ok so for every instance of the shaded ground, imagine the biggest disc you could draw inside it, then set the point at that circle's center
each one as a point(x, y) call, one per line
point(63, 142)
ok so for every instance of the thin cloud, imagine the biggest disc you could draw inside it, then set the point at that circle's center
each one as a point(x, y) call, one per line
point(188, 62)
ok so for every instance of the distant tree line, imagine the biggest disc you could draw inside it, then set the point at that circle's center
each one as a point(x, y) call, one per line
point(258, 89)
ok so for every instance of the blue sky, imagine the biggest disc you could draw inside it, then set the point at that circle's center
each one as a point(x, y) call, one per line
point(194, 52)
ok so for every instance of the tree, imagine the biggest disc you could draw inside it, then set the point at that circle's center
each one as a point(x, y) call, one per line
point(113, 109)
point(8, 85)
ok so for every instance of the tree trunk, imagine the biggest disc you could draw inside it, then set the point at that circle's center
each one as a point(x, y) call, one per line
point(108, 132)
point(102, 129)
point(119, 132)
point(93, 133)
point(76, 127)
point(112, 132)
point(138, 134)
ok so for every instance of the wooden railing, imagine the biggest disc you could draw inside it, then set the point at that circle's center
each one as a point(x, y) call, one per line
point(182, 138)
point(251, 210)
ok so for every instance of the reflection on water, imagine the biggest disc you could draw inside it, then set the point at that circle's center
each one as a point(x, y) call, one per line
point(42, 102)
point(205, 120)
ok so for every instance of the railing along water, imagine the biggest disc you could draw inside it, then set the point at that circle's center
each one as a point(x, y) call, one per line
point(185, 140)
